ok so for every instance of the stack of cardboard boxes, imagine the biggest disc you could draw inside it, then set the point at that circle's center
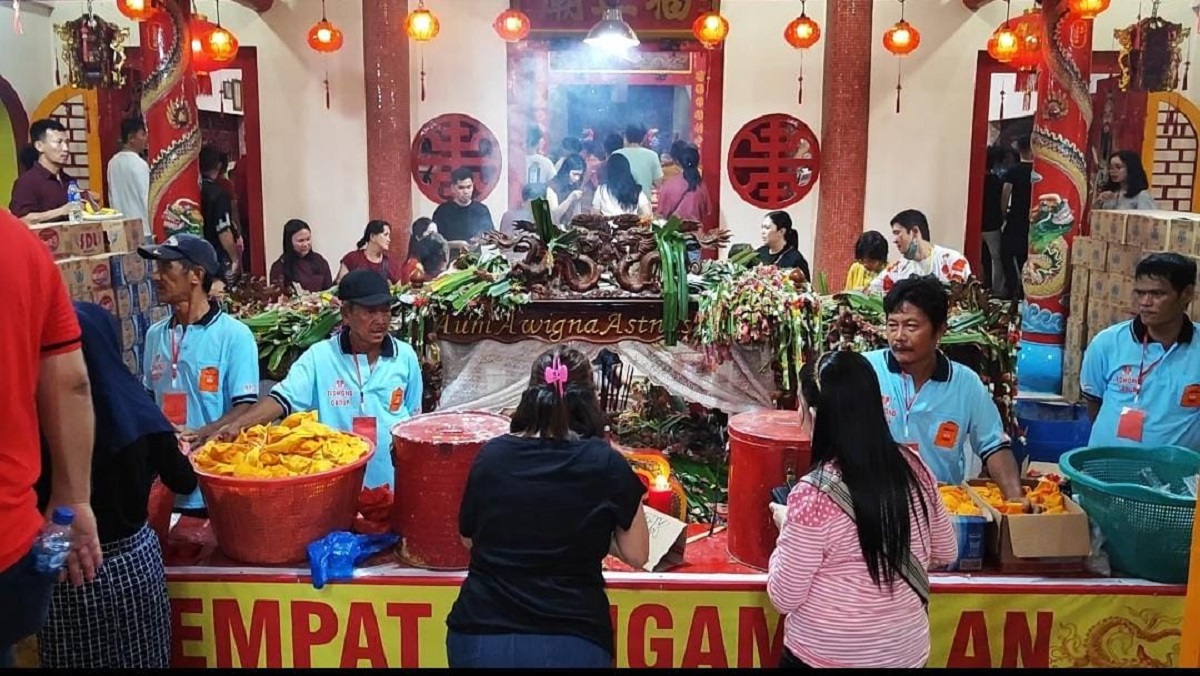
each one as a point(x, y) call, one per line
point(99, 263)
point(1102, 267)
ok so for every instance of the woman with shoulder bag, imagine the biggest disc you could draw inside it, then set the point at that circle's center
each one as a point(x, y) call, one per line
point(858, 534)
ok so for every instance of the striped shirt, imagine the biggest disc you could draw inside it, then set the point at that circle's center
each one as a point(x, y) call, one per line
point(837, 617)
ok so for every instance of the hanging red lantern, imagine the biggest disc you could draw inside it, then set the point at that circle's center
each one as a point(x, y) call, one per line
point(711, 29)
point(201, 29)
point(325, 37)
point(512, 25)
point(802, 32)
point(902, 38)
point(137, 10)
point(1087, 9)
point(1003, 45)
point(421, 24)
point(1028, 58)
point(222, 46)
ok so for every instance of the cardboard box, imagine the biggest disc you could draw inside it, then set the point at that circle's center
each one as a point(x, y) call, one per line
point(1109, 226)
point(1081, 248)
point(126, 299)
point(56, 238)
point(1037, 543)
point(132, 362)
point(127, 269)
point(76, 277)
point(100, 271)
point(129, 332)
point(1097, 314)
point(1097, 260)
point(1081, 279)
point(1123, 259)
point(105, 299)
point(1153, 234)
point(123, 236)
point(143, 296)
point(87, 239)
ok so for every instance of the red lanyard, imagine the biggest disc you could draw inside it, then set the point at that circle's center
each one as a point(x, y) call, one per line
point(1143, 370)
point(175, 347)
point(362, 395)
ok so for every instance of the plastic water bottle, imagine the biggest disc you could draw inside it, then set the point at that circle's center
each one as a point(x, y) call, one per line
point(74, 202)
point(54, 543)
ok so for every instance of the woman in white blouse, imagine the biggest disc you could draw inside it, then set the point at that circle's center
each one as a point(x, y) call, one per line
point(1127, 187)
point(620, 193)
point(565, 190)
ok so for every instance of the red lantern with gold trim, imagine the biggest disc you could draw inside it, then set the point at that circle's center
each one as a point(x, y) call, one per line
point(1087, 9)
point(138, 10)
point(902, 38)
point(222, 46)
point(422, 25)
point(801, 34)
point(512, 25)
point(325, 37)
point(1003, 45)
point(1028, 59)
point(201, 30)
point(711, 29)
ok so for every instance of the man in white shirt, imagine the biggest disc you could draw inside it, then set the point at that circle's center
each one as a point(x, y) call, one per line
point(919, 256)
point(129, 175)
point(538, 167)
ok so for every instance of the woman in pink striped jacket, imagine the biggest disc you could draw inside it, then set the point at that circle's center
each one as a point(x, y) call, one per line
point(858, 534)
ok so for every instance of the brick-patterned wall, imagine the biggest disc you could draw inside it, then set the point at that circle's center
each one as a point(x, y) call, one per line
point(389, 120)
point(1174, 170)
point(845, 114)
point(72, 114)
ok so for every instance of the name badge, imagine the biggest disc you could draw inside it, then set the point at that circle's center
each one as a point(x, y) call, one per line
point(397, 400)
point(1130, 424)
point(175, 407)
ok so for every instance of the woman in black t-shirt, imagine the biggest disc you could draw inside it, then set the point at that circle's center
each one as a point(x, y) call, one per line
point(781, 244)
point(542, 508)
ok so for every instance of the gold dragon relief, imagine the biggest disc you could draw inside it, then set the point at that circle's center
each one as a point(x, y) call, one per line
point(1143, 638)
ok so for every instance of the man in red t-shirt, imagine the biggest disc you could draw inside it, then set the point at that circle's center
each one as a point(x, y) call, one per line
point(44, 380)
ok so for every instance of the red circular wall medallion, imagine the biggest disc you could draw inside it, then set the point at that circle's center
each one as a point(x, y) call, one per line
point(774, 161)
point(448, 142)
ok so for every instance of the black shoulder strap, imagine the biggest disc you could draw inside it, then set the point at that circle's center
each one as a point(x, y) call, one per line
point(911, 570)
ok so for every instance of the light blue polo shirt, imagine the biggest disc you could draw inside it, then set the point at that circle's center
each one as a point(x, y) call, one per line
point(1170, 393)
point(952, 408)
point(217, 369)
point(326, 379)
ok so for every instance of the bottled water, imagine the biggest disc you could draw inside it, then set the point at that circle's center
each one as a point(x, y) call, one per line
point(74, 202)
point(54, 543)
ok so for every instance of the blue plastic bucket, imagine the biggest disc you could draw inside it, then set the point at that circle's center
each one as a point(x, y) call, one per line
point(1050, 430)
point(970, 531)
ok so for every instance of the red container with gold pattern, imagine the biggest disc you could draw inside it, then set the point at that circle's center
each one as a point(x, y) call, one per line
point(433, 455)
point(763, 446)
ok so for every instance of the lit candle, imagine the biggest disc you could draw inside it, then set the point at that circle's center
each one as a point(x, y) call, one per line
point(659, 498)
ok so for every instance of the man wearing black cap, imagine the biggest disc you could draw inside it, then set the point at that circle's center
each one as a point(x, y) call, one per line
point(200, 364)
point(362, 380)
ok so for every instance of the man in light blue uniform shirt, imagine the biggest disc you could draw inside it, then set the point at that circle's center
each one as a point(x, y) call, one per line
point(200, 364)
point(1141, 378)
point(362, 380)
point(932, 402)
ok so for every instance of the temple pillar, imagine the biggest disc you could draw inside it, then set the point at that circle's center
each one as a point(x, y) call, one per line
point(845, 116)
point(389, 120)
point(1060, 195)
point(172, 123)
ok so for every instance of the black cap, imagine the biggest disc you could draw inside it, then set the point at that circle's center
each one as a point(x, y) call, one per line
point(365, 287)
point(184, 247)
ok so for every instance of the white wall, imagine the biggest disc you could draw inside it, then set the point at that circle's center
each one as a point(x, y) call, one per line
point(27, 60)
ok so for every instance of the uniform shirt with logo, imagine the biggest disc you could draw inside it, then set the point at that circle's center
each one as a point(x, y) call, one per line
point(349, 395)
point(1145, 390)
point(216, 368)
point(951, 409)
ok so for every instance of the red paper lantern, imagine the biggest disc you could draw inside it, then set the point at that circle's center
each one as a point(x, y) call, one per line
point(512, 25)
point(201, 29)
point(325, 37)
point(421, 24)
point(802, 32)
point(1003, 45)
point(711, 29)
point(222, 46)
point(1087, 9)
point(138, 10)
point(1030, 33)
point(902, 38)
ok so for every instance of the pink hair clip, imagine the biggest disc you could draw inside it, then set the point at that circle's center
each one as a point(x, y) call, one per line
point(556, 374)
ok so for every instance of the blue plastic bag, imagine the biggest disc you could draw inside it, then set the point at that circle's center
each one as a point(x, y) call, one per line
point(334, 556)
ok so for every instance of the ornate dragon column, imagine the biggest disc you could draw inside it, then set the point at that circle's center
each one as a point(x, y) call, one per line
point(1060, 139)
point(389, 119)
point(172, 122)
point(845, 116)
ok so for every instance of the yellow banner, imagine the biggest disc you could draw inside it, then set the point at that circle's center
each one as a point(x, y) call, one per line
point(398, 624)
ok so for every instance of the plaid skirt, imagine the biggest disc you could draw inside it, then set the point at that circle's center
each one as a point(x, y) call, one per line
point(121, 619)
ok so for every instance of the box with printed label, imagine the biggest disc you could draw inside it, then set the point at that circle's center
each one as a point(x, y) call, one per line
point(1037, 543)
point(87, 239)
point(129, 332)
point(1097, 260)
point(123, 236)
point(127, 269)
point(105, 299)
point(1080, 286)
point(1184, 232)
point(56, 238)
point(75, 276)
point(126, 301)
point(144, 296)
point(99, 270)
point(132, 362)
point(1123, 259)
point(1152, 234)
point(1109, 226)
point(159, 313)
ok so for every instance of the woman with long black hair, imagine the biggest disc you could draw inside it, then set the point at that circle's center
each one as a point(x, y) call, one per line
point(620, 193)
point(860, 531)
point(565, 190)
point(428, 251)
point(300, 266)
point(371, 252)
point(542, 507)
point(781, 244)
point(685, 195)
point(122, 618)
point(1127, 187)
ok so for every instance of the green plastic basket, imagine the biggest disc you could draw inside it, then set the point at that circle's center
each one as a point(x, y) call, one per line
point(1147, 533)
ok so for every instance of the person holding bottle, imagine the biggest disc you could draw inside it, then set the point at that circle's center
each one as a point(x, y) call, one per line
point(39, 195)
point(122, 619)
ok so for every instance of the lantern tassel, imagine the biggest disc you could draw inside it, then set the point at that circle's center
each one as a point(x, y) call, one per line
point(800, 96)
point(899, 87)
point(422, 74)
point(1002, 95)
point(327, 83)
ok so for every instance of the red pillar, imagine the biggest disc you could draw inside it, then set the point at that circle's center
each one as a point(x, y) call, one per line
point(389, 123)
point(172, 122)
point(1060, 140)
point(845, 114)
